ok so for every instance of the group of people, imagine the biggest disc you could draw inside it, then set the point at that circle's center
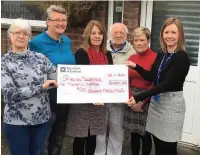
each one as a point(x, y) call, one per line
point(156, 107)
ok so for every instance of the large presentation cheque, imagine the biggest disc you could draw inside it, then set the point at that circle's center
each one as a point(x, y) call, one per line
point(92, 84)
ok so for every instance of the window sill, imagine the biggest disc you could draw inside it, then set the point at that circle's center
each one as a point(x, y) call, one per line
point(36, 25)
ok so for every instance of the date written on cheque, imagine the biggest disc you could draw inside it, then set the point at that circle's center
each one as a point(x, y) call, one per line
point(116, 75)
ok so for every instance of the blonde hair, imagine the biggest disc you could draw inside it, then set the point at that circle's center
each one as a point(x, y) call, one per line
point(55, 8)
point(181, 40)
point(86, 35)
point(21, 24)
point(142, 30)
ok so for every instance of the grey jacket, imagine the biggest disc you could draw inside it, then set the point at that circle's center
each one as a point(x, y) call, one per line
point(121, 56)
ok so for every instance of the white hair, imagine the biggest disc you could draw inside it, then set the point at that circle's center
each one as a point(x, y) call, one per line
point(119, 24)
point(21, 24)
point(55, 8)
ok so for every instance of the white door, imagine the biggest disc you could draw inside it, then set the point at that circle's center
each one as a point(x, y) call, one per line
point(191, 128)
point(153, 15)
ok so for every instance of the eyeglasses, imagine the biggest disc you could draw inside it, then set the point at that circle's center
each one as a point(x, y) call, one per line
point(58, 20)
point(20, 33)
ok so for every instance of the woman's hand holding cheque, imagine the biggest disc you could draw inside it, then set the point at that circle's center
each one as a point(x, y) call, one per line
point(135, 106)
point(130, 64)
point(130, 102)
point(138, 107)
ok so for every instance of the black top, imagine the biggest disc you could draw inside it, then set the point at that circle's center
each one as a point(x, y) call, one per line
point(172, 75)
point(82, 58)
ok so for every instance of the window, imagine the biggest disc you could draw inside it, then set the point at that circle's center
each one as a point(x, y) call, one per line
point(117, 12)
point(21, 9)
point(189, 14)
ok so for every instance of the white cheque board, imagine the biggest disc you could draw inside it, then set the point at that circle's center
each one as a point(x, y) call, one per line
point(92, 84)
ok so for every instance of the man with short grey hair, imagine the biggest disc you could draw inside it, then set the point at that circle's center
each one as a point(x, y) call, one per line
point(121, 50)
point(57, 47)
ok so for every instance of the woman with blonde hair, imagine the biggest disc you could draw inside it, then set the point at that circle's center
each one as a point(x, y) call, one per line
point(135, 116)
point(85, 121)
point(167, 108)
point(26, 77)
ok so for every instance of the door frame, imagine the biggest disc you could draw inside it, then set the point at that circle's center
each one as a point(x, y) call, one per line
point(110, 16)
point(197, 105)
point(146, 21)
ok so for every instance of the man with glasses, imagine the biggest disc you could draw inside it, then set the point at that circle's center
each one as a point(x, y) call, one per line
point(57, 47)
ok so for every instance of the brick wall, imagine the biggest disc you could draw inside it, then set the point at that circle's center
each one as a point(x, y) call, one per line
point(98, 13)
point(130, 18)
point(4, 41)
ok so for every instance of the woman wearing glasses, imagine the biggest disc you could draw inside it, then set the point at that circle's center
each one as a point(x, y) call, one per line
point(25, 79)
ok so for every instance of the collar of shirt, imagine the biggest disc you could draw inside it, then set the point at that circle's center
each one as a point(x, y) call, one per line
point(114, 50)
point(19, 54)
point(50, 38)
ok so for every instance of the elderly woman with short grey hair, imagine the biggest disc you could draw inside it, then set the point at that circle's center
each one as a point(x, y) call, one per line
point(25, 78)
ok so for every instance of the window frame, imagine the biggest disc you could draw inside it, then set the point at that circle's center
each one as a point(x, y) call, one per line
point(110, 15)
point(146, 15)
point(34, 23)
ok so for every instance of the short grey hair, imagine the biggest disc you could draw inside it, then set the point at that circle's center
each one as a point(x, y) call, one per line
point(21, 24)
point(115, 24)
point(55, 8)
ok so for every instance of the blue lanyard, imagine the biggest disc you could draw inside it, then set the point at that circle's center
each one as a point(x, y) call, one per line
point(161, 65)
point(157, 97)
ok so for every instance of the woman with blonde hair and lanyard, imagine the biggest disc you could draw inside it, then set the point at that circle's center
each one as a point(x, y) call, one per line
point(167, 108)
